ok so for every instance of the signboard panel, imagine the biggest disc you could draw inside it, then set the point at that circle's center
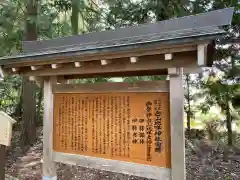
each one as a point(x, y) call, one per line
point(6, 129)
point(131, 127)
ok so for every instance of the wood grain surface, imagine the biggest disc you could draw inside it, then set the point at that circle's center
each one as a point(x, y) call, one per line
point(132, 127)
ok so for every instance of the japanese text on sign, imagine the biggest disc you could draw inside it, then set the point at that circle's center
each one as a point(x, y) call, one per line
point(131, 127)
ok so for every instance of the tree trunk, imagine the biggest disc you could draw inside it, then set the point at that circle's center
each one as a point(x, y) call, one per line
point(39, 104)
point(29, 88)
point(229, 126)
point(75, 16)
point(29, 113)
point(189, 106)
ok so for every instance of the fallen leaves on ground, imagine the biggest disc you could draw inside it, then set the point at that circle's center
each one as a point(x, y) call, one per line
point(204, 161)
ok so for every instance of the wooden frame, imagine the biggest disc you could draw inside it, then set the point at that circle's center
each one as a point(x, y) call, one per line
point(154, 64)
point(140, 86)
point(113, 56)
point(134, 169)
point(48, 168)
point(177, 125)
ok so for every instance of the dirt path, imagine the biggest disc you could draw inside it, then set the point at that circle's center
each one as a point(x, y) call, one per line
point(205, 162)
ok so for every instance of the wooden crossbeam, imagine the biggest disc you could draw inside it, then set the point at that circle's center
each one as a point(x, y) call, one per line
point(148, 63)
point(138, 52)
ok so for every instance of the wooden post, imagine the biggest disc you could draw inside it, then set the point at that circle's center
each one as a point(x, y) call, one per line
point(49, 168)
point(177, 125)
point(2, 161)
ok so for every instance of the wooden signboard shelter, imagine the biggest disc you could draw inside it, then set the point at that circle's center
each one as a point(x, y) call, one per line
point(133, 128)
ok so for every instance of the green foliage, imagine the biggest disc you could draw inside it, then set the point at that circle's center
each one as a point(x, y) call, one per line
point(11, 27)
point(52, 21)
point(91, 80)
point(144, 78)
point(10, 90)
point(190, 97)
point(142, 11)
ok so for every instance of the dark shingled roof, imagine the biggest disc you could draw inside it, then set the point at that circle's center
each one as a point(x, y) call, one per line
point(178, 29)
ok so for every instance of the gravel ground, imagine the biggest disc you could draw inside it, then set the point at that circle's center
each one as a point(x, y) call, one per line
point(7, 177)
point(204, 161)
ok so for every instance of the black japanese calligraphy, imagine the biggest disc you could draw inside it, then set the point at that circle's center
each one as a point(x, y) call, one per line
point(149, 129)
point(158, 126)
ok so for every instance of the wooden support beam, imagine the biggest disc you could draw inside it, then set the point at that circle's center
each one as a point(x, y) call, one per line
point(177, 126)
point(148, 63)
point(141, 170)
point(105, 62)
point(134, 59)
point(202, 54)
point(48, 166)
point(77, 64)
point(140, 86)
point(162, 49)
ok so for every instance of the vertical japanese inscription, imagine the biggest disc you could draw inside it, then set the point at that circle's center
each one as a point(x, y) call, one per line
point(134, 130)
point(69, 134)
point(149, 129)
point(75, 125)
point(116, 126)
point(141, 131)
point(128, 126)
point(79, 125)
point(65, 128)
point(93, 126)
point(108, 122)
point(100, 124)
point(158, 126)
point(122, 126)
point(72, 123)
point(112, 126)
point(86, 124)
point(104, 124)
point(61, 119)
point(97, 125)
point(82, 124)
